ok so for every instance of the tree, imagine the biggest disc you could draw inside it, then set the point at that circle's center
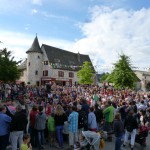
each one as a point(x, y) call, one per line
point(123, 76)
point(86, 74)
point(8, 66)
point(104, 77)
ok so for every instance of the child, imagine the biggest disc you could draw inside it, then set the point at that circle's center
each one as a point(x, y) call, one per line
point(51, 128)
point(26, 145)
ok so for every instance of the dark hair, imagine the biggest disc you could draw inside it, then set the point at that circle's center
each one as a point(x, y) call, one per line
point(91, 109)
point(26, 136)
point(40, 108)
point(2, 108)
point(34, 108)
point(74, 108)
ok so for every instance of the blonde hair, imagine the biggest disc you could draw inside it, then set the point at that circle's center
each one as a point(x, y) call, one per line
point(59, 110)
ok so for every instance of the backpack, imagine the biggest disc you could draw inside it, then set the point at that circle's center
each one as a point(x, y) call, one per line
point(82, 120)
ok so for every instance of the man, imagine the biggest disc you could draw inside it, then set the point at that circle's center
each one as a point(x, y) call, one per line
point(82, 120)
point(109, 117)
point(73, 126)
point(18, 125)
point(4, 128)
point(40, 125)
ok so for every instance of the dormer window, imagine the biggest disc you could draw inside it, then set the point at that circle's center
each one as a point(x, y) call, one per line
point(45, 62)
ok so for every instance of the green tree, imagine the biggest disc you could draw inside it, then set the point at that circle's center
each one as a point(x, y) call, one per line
point(8, 66)
point(123, 76)
point(104, 77)
point(86, 74)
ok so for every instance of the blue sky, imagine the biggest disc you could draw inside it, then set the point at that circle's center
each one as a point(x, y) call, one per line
point(99, 28)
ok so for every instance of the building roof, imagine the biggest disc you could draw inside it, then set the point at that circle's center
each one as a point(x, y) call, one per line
point(35, 47)
point(23, 65)
point(63, 57)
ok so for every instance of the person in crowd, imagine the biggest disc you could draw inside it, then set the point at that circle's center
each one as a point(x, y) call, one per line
point(118, 131)
point(99, 116)
point(26, 143)
point(123, 111)
point(18, 125)
point(131, 126)
point(109, 118)
point(40, 125)
point(85, 108)
point(51, 129)
point(60, 117)
point(32, 130)
point(5, 121)
point(92, 124)
point(73, 126)
point(82, 120)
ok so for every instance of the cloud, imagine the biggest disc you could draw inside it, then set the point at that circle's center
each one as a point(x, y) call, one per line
point(113, 31)
point(34, 11)
point(21, 42)
point(37, 2)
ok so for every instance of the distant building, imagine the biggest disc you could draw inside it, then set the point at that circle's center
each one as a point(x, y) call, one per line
point(47, 64)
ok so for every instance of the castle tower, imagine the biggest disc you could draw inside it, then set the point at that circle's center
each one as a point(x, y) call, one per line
point(34, 63)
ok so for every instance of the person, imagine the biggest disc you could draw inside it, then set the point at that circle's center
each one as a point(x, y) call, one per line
point(59, 118)
point(118, 131)
point(109, 117)
point(92, 124)
point(82, 120)
point(5, 121)
point(73, 126)
point(131, 126)
point(26, 143)
point(40, 124)
point(99, 115)
point(32, 116)
point(18, 125)
point(51, 129)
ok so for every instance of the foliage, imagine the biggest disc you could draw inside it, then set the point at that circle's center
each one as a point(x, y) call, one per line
point(86, 74)
point(104, 77)
point(123, 76)
point(8, 66)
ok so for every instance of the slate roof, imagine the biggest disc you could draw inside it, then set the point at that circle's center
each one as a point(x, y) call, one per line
point(23, 65)
point(56, 55)
point(35, 47)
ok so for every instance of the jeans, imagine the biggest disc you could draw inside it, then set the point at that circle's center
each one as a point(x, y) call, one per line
point(59, 135)
point(118, 143)
point(4, 141)
point(40, 138)
point(14, 137)
point(133, 134)
point(33, 140)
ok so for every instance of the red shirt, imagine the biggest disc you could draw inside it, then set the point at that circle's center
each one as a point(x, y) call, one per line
point(32, 117)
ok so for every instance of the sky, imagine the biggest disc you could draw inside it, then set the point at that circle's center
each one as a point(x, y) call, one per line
point(102, 29)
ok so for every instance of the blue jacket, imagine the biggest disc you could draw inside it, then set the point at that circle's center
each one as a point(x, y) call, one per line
point(4, 124)
point(92, 121)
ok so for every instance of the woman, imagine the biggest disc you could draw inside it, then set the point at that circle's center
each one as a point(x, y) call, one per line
point(60, 117)
point(119, 131)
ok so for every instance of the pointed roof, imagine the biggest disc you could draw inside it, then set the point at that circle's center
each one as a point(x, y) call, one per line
point(35, 47)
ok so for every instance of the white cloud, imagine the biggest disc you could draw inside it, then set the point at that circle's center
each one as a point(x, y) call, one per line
point(114, 31)
point(21, 42)
point(37, 2)
point(34, 11)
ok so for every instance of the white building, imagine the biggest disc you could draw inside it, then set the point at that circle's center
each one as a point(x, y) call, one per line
point(47, 64)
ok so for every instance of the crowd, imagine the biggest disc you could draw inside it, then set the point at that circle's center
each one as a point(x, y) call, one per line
point(54, 114)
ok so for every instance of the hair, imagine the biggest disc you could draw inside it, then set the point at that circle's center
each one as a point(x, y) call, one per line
point(91, 109)
point(40, 108)
point(26, 136)
point(2, 107)
point(34, 108)
point(18, 108)
point(118, 116)
point(59, 110)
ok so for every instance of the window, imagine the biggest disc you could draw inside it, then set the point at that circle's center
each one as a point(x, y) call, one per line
point(45, 73)
point(36, 72)
point(60, 74)
point(38, 57)
point(71, 74)
point(29, 64)
point(45, 62)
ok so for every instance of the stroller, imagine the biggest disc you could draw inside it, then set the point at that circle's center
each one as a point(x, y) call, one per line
point(141, 136)
point(91, 140)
